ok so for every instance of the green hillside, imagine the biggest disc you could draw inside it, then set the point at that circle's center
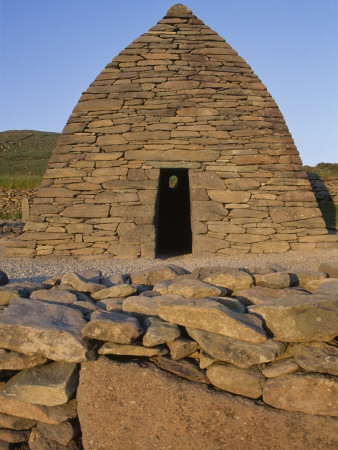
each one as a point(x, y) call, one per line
point(24, 156)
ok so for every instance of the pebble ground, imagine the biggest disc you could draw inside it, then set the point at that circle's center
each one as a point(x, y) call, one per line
point(41, 268)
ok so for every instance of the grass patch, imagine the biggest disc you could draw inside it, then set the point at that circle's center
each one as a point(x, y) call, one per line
point(25, 152)
point(20, 181)
point(324, 169)
point(16, 216)
point(330, 214)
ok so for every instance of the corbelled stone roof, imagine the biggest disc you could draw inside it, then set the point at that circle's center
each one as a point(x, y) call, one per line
point(177, 97)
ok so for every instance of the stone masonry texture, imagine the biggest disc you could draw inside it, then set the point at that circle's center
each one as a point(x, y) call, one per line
point(177, 97)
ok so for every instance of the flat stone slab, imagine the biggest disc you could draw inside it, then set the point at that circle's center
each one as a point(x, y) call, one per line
point(54, 295)
point(317, 357)
point(148, 406)
point(209, 315)
point(159, 332)
point(279, 368)
point(152, 276)
point(40, 413)
point(10, 360)
point(113, 327)
point(237, 352)
point(258, 295)
point(195, 289)
point(308, 393)
point(275, 280)
point(81, 283)
point(15, 423)
point(118, 291)
point(14, 436)
point(247, 382)
point(301, 318)
point(110, 348)
point(231, 279)
point(180, 348)
point(182, 368)
point(50, 385)
point(41, 328)
point(146, 305)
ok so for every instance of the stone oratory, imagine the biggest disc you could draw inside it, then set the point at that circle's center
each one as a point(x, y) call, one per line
point(176, 147)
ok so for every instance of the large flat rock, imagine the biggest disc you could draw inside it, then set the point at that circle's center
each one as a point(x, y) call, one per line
point(301, 318)
point(210, 315)
point(144, 406)
point(307, 392)
point(240, 353)
point(35, 327)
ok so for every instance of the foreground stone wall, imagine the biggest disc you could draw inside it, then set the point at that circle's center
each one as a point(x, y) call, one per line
point(267, 336)
point(177, 97)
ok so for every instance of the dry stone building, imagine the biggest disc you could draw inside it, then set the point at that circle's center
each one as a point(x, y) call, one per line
point(177, 147)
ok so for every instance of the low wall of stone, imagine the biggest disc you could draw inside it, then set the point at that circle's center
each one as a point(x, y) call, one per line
point(11, 201)
point(170, 358)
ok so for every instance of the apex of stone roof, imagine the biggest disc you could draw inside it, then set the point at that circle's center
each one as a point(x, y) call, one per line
point(179, 10)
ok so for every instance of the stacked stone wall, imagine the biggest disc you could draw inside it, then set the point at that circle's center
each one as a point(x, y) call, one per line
point(267, 336)
point(177, 97)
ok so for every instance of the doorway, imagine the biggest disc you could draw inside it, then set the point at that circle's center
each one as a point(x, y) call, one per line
point(174, 235)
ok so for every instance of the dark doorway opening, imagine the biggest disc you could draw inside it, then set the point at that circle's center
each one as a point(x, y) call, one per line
point(174, 227)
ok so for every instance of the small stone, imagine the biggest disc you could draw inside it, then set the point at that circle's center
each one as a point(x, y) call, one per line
point(81, 284)
point(113, 327)
point(8, 293)
point(55, 296)
point(37, 441)
point(111, 348)
point(299, 318)
point(308, 393)
point(209, 315)
point(306, 277)
point(279, 368)
point(3, 278)
point(317, 357)
point(162, 286)
point(10, 360)
point(62, 433)
point(180, 348)
point(276, 280)
point(206, 360)
point(183, 368)
point(330, 268)
point(14, 436)
point(110, 304)
point(231, 279)
point(15, 423)
point(159, 332)
point(237, 352)
point(50, 385)
point(119, 290)
point(247, 382)
point(195, 289)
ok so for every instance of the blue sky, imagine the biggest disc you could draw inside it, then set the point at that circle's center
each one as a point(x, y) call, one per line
point(51, 50)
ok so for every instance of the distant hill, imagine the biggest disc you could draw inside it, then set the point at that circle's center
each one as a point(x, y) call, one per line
point(25, 152)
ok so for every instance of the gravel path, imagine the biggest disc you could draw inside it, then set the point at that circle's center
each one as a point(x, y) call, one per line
point(39, 269)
